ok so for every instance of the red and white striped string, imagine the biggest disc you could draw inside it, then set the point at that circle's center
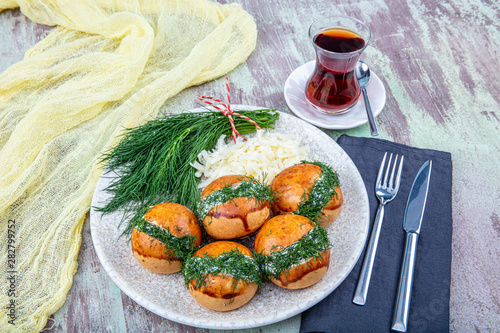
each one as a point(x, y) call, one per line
point(227, 112)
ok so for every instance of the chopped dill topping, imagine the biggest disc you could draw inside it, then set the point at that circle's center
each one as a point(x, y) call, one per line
point(182, 247)
point(233, 263)
point(252, 189)
point(321, 193)
point(313, 244)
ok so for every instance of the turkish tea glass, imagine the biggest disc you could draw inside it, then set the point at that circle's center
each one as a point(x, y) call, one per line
point(338, 42)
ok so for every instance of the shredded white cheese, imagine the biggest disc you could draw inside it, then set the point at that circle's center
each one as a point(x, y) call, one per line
point(261, 156)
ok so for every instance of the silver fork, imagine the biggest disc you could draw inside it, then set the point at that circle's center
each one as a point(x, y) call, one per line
point(385, 191)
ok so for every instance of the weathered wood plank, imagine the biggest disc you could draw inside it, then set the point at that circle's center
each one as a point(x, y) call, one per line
point(18, 35)
point(438, 61)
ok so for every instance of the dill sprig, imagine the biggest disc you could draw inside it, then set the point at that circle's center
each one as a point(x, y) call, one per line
point(153, 160)
point(252, 188)
point(321, 193)
point(178, 247)
point(233, 263)
point(311, 245)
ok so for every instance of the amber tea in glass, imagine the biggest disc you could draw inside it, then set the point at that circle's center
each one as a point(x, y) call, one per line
point(338, 42)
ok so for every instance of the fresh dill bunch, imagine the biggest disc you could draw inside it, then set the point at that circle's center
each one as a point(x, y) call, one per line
point(320, 194)
point(233, 263)
point(311, 245)
point(251, 188)
point(152, 161)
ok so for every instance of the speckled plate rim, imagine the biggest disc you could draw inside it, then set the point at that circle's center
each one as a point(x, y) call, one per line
point(132, 279)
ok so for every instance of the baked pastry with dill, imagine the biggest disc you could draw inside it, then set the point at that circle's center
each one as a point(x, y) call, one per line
point(234, 206)
point(293, 251)
point(168, 234)
point(222, 275)
point(310, 189)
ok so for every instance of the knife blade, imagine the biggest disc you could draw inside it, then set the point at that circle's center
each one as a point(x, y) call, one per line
point(412, 222)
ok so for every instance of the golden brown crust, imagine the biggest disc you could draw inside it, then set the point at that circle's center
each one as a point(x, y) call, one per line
point(304, 275)
point(242, 294)
point(216, 248)
point(220, 182)
point(219, 291)
point(236, 218)
point(293, 184)
point(332, 209)
point(150, 252)
point(282, 231)
point(176, 218)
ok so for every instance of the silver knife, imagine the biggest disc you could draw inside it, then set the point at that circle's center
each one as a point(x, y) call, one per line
point(412, 221)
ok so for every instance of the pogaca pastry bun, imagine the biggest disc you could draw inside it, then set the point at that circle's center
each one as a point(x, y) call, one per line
point(168, 234)
point(293, 251)
point(222, 275)
point(310, 189)
point(234, 206)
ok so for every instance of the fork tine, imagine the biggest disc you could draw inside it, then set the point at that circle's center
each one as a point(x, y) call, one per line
point(393, 172)
point(380, 170)
point(398, 176)
point(387, 171)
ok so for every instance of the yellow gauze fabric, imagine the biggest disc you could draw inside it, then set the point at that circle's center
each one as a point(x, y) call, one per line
point(108, 65)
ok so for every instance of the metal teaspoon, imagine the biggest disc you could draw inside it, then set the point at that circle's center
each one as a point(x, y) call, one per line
point(363, 76)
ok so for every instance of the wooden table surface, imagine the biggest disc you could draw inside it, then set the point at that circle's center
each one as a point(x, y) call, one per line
point(439, 61)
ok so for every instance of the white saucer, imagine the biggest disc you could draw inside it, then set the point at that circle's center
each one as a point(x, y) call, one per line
point(295, 97)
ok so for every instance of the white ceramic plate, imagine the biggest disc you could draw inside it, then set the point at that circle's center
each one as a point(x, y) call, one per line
point(167, 296)
point(295, 97)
